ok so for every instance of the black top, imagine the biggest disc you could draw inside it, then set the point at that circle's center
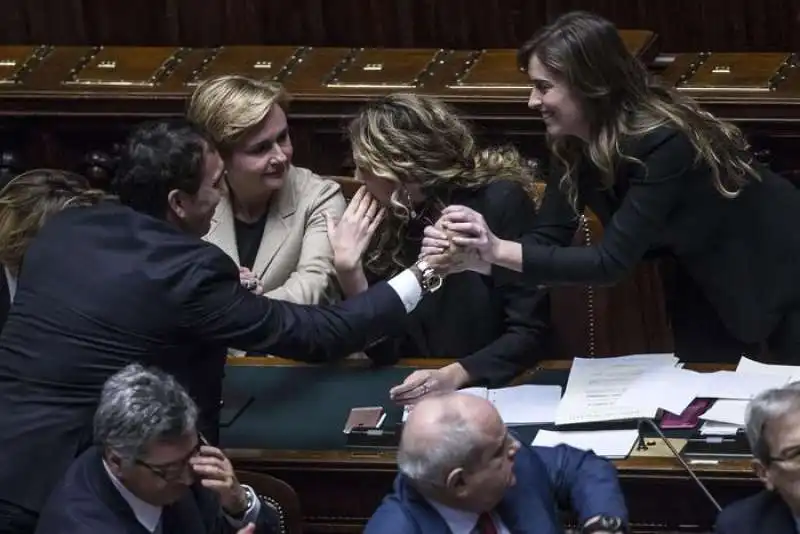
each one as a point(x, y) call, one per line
point(248, 239)
point(496, 331)
point(741, 252)
point(104, 286)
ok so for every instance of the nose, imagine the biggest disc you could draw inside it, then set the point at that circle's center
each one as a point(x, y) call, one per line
point(513, 449)
point(278, 154)
point(535, 100)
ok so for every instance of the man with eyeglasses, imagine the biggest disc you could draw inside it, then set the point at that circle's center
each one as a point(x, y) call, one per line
point(151, 469)
point(463, 472)
point(772, 423)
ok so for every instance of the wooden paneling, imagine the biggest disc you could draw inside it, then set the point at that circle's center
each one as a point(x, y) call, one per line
point(684, 25)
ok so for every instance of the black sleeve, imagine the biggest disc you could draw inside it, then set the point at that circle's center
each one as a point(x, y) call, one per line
point(527, 309)
point(218, 310)
point(655, 189)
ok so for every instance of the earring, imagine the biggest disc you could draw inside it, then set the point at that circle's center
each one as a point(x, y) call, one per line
point(410, 204)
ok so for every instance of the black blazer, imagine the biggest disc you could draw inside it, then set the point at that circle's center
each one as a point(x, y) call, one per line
point(105, 286)
point(763, 513)
point(741, 252)
point(86, 501)
point(496, 331)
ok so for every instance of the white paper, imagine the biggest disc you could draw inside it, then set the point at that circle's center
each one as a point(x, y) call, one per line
point(735, 385)
point(595, 385)
point(526, 404)
point(727, 411)
point(748, 366)
point(667, 388)
point(606, 443)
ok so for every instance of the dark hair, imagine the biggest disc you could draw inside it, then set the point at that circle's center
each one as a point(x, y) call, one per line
point(158, 157)
point(620, 100)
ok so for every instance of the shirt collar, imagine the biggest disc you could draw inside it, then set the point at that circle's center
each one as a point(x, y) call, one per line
point(459, 521)
point(147, 514)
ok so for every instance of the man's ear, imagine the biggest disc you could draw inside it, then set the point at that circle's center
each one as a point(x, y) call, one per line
point(762, 472)
point(114, 462)
point(456, 482)
point(176, 201)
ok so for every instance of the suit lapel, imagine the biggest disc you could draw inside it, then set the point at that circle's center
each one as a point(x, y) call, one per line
point(223, 232)
point(276, 229)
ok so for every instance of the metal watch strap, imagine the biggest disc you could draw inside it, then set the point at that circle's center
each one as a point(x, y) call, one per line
point(605, 524)
point(431, 281)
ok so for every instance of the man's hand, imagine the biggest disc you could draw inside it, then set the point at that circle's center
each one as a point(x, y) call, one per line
point(249, 529)
point(215, 472)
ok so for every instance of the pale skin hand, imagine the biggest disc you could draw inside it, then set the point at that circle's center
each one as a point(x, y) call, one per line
point(216, 473)
point(425, 382)
point(468, 229)
point(250, 281)
point(350, 237)
point(249, 529)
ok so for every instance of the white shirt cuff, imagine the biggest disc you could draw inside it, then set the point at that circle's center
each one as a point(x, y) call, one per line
point(407, 288)
point(251, 515)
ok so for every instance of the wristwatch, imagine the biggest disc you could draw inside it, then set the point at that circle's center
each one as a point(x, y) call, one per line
point(604, 523)
point(250, 498)
point(428, 279)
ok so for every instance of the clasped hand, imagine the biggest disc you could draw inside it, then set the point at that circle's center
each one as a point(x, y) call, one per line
point(459, 241)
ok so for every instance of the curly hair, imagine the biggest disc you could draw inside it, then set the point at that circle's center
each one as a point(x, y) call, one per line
point(416, 139)
point(29, 200)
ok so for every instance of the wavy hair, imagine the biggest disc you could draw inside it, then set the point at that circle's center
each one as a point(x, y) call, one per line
point(415, 139)
point(620, 99)
point(230, 107)
point(29, 200)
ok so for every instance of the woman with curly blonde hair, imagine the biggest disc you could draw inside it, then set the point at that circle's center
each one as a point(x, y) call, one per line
point(666, 178)
point(26, 203)
point(416, 156)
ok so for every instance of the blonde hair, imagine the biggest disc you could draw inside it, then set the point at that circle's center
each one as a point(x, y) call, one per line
point(28, 201)
point(620, 99)
point(415, 139)
point(230, 107)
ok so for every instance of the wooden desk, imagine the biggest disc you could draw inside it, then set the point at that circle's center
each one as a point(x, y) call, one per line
point(340, 488)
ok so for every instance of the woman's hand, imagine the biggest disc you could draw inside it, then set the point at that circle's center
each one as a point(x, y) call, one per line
point(351, 235)
point(467, 228)
point(425, 382)
point(250, 281)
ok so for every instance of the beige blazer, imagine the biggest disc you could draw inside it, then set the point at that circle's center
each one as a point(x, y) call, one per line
point(295, 258)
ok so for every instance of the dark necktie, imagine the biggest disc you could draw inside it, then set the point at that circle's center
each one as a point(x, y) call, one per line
point(485, 524)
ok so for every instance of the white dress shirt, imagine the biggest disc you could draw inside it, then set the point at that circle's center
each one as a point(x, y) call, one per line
point(11, 282)
point(463, 522)
point(149, 515)
point(407, 288)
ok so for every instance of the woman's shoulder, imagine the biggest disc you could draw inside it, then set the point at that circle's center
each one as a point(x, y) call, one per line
point(666, 138)
point(310, 187)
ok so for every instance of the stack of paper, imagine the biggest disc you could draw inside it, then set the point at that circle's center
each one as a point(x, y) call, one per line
point(595, 386)
point(527, 404)
point(607, 443)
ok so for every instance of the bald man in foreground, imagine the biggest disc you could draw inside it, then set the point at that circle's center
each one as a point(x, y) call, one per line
point(462, 472)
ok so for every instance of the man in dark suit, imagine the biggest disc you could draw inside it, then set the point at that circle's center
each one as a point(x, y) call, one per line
point(461, 472)
point(772, 423)
point(151, 469)
point(115, 283)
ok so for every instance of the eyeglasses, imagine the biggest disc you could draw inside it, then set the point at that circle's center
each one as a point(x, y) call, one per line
point(174, 471)
point(790, 460)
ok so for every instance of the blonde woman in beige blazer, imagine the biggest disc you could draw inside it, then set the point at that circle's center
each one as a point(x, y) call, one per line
point(271, 219)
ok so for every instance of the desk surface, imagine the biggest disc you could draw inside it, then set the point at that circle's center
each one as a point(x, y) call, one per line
point(297, 411)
